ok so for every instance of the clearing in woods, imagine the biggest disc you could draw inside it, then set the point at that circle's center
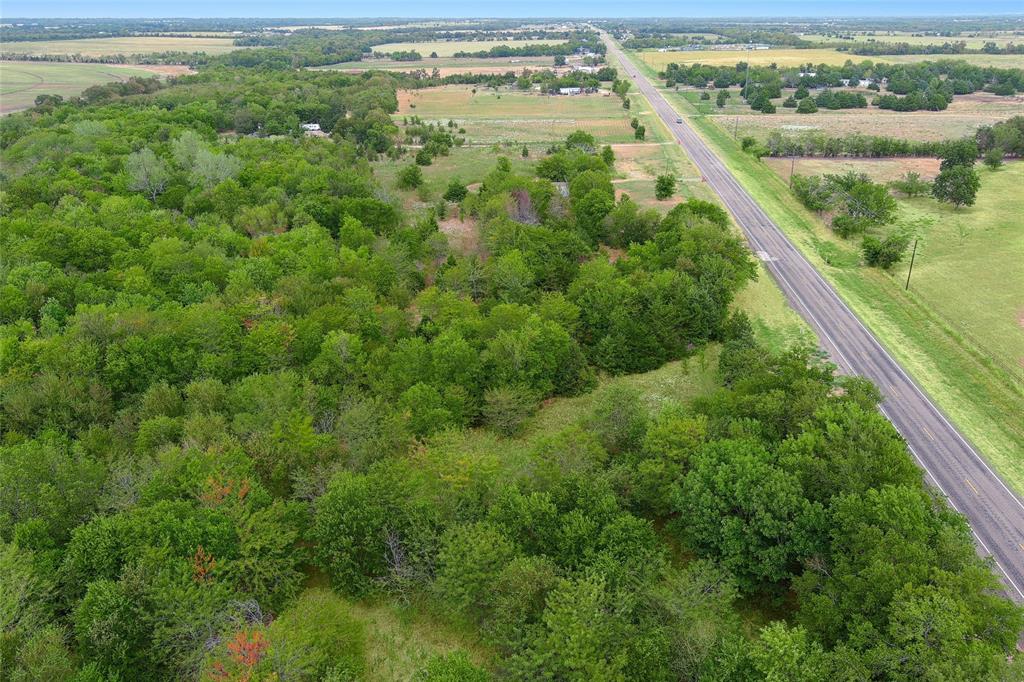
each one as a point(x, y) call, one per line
point(22, 82)
point(508, 115)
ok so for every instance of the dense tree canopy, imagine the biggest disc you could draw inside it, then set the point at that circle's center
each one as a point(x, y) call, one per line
point(233, 365)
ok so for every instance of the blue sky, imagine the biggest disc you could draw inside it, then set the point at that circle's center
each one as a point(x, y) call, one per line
point(520, 8)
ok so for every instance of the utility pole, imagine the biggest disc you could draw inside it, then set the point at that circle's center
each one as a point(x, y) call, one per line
point(792, 167)
point(911, 269)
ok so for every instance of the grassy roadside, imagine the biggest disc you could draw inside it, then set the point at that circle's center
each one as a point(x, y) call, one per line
point(775, 323)
point(981, 399)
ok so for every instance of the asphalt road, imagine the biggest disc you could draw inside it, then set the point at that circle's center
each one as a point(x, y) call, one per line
point(995, 513)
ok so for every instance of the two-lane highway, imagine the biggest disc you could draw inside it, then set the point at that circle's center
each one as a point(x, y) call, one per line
point(995, 513)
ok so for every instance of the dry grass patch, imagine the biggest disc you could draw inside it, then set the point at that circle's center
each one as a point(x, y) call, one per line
point(463, 235)
point(879, 170)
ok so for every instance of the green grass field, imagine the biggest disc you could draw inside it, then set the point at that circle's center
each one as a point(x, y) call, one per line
point(787, 57)
point(447, 48)
point(530, 117)
point(101, 47)
point(22, 82)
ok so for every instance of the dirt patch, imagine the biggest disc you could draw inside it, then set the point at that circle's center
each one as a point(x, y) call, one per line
point(463, 235)
point(405, 98)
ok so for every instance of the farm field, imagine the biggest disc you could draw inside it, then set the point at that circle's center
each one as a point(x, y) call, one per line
point(973, 42)
point(963, 117)
point(22, 82)
point(447, 48)
point(102, 47)
point(787, 57)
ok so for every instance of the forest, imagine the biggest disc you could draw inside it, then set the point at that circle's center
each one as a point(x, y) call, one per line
point(234, 371)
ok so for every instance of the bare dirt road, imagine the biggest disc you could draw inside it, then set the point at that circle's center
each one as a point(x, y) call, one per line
point(950, 463)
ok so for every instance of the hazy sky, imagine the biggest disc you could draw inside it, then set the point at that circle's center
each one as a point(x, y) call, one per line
point(478, 8)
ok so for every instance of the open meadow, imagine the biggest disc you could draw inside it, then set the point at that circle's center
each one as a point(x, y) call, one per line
point(787, 57)
point(104, 47)
point(22, 82)
point(447, 48)
point(496, 116)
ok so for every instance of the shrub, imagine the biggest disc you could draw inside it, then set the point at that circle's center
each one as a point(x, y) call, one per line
point(846, 225)
point(884, 253)
point(507, 407)
point(994, 158)
point(410, 177)
point(453, 667)
point(911, 185)
point(471, 558)
point(806, 106)
point(424, 158)
point(664, 187)
point(317, 635)
point(456, 191)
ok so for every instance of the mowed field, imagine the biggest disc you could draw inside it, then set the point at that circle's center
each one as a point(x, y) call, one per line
point(102, 47)
point(22, 82)
point(967, 269)
point(786, 57)
point(969, 265)
point(447, 48)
